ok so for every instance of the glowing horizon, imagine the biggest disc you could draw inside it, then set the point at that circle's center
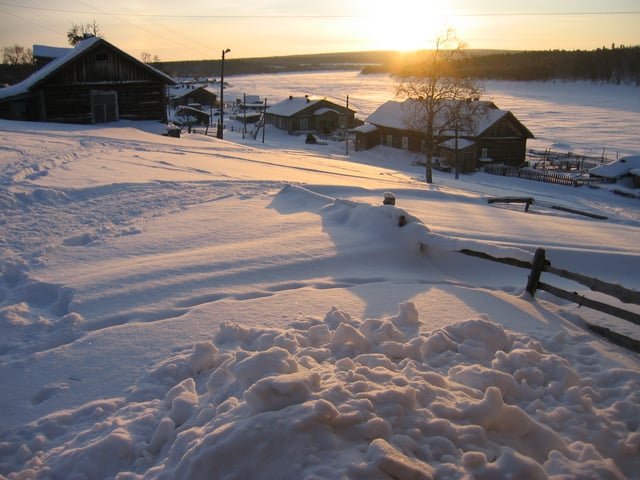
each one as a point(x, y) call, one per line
point(199, 31)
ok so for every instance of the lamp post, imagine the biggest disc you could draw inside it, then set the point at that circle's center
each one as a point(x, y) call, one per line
point(220, 120)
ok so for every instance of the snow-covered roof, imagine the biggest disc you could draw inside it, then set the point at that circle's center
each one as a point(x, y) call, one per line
point(390, 114)
point(617, 169)
point(211, 90)
point(54, 65)
point(322, 111)
point(291, 105)
point(398, 115)
point(366, 128)
point(46, 51)
point(462, 143)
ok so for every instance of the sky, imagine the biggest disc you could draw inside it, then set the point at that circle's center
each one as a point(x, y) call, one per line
point(201, 29)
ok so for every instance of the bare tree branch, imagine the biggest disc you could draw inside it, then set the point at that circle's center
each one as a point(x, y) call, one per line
point(435, 91)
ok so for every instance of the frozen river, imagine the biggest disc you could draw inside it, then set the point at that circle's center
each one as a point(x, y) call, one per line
point(585, 118)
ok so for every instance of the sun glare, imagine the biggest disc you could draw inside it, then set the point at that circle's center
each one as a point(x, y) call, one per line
point(404, 24)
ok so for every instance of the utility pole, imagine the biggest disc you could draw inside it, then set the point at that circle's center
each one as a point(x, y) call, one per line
point(346, 130)
point(264, 119)
point(221, 118)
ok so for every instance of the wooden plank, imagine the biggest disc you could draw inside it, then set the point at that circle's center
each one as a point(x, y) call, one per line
point(579, 212)
point(617, 338)
point(594, 304)
point(618, 291)
point(526, 200)
point(511, 200)
point(514, 262)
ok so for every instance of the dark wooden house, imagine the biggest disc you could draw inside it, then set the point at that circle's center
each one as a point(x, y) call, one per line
point(94, 82)
point(204, 96)
point(496, 137)
point(304, 114)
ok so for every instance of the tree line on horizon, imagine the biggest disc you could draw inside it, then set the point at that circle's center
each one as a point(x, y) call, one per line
point(610, 65)
point(618, 64)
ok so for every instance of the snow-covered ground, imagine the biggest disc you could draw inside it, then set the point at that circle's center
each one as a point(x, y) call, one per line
point(195, 308)
point(585, 118)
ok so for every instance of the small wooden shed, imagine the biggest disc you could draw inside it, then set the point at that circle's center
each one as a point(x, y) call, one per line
point(94, 82)
point(366, 136)
point(203, 95)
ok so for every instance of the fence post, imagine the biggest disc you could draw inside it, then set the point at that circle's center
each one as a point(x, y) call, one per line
point(536, 269)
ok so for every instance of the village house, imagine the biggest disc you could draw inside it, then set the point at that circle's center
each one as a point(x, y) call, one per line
point(94, 82)
point(305, 114)
point(496, 137)
point(203, 96)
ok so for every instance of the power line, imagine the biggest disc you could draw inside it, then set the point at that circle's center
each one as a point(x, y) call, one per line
point(149, 31)
point(318, 16)
point(31, 20)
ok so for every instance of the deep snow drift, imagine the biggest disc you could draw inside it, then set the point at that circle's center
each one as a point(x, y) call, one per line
point(194, 308)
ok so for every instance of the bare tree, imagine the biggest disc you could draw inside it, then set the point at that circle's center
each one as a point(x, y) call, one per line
point(437, 94)
point(148, 58)
point(16, 55)
point(77, 33)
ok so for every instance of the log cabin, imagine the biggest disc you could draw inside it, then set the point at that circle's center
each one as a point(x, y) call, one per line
point(94, 82)
point(496, 136)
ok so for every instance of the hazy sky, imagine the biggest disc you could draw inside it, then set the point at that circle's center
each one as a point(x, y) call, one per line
point(201, 29)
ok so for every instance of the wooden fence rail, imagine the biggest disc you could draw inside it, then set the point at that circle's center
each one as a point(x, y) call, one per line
point(547, 176)
point(540, 264)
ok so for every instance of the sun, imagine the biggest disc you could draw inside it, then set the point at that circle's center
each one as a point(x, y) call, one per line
point(404, 25)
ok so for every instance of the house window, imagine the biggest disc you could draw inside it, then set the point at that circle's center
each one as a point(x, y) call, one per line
point(101, 57)
point(485, 153)
point(405, 143)
point(389, 140)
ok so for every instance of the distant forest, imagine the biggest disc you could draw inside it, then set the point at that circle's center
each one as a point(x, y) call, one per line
point(611, 65)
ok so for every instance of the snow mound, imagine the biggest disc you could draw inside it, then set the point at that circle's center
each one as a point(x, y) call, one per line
point(369, 224)
point(381, 225)
point(343, 397)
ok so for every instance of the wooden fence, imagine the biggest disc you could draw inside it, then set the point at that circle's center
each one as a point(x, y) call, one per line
point(547, 176)
point(540, 264)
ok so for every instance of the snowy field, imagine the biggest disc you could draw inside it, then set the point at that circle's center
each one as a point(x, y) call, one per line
point(584, 118)
point(191, 308)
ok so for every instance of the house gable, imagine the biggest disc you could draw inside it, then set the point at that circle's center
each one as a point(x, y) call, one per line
point(506, 126)
point(96, 60)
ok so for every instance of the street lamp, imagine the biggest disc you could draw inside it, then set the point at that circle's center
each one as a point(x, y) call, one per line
point(220, 120)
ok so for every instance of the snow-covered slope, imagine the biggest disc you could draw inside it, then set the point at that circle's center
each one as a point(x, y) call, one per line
point(194, 308)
